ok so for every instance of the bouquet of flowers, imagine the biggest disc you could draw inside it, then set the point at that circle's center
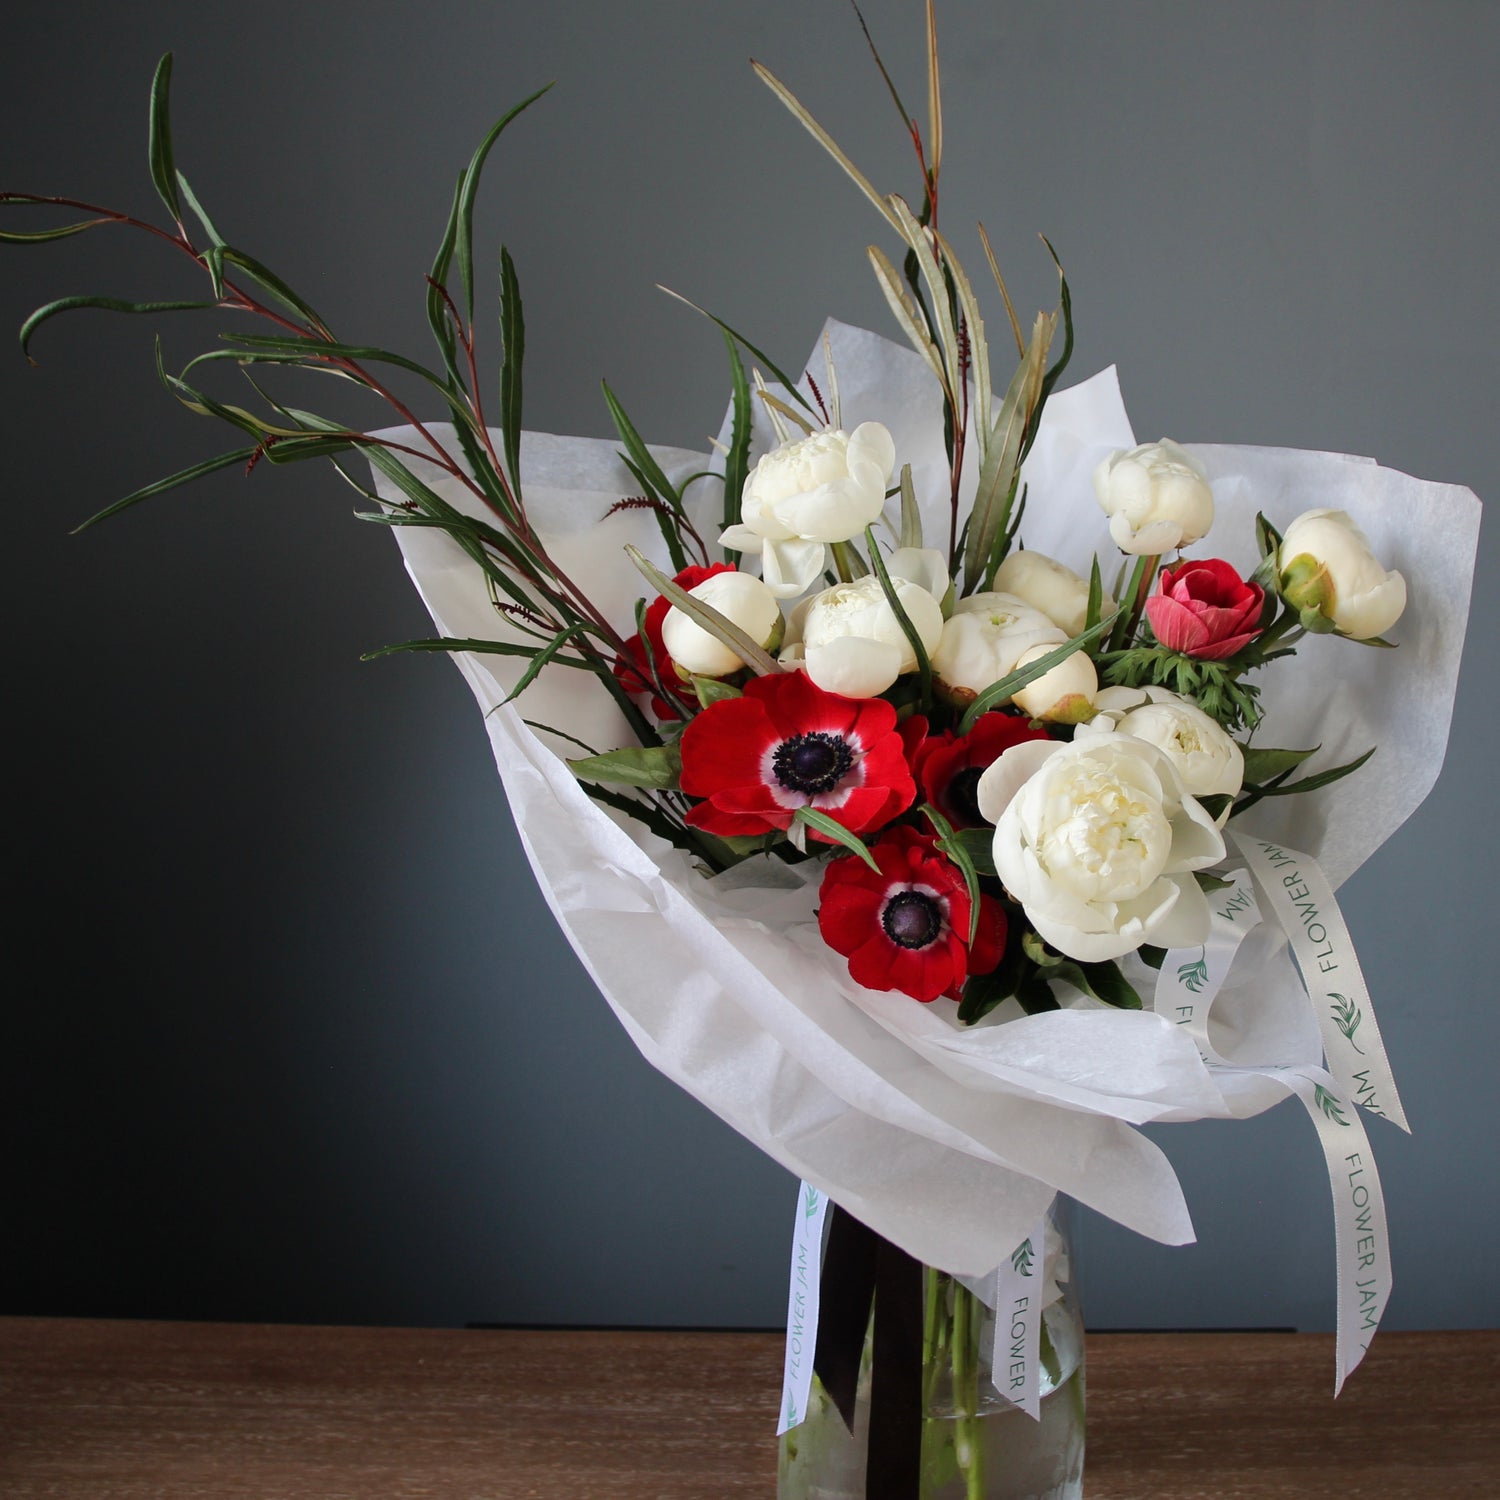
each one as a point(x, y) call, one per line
point(911, 772)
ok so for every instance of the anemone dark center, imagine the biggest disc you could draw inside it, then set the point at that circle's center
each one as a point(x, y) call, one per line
point(812, 763)
point(963, 795)
point(912, 919)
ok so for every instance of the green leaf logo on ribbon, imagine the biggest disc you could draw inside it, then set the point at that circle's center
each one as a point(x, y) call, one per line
point(1346, 1016)
point(1021, 1258)
point(1329, 1104)
point(811, 1199)
point(1194, 976)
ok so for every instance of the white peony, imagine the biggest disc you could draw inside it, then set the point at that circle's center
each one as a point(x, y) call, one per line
point(1097, 840)
point(1327, 565)
point(743, 600)
point(984, 639)
point(849, 640)
point(1207, 760)
point(1156, 496)
point(1047, 585)
point(803, 495)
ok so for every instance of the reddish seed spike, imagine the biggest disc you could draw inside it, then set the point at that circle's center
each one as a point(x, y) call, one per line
point(817, 395)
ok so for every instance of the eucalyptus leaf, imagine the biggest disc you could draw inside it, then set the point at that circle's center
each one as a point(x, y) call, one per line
point(658, 767)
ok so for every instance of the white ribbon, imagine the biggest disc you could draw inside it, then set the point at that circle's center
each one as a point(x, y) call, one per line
point(1020, 1284)
point(802, 1307)
point(1293, 887)
point(1298, 894)
point(1361, 1243)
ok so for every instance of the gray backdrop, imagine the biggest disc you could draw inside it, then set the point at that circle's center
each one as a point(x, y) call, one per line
point(296, 1037)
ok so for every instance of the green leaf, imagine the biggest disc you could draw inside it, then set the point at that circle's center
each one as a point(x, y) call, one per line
point(191, 198)
point(161, 486)
point(836, 832)
point(954, 849)
point(269, 281)
point(159, 138)
point(913, 639)
point(457, 643)
point(468, 190)
point(1261, 764)
point(1151, 956)
point(37, 237)
point(911, 515)
point(710, 690)
point(1209, 884)
point(1008, 687)
point(642, 464)
point(1320, 779)
point(745, 343)
point(995, 492)
point(1105, 982)
point(1065, 300)
point(737, 460)
point(753, 655)
point(1096, 596)
point(438, 318)
point(658, 767)
point(979, 846)
point(103, 304)
point(513, 336)
point(1213, 803)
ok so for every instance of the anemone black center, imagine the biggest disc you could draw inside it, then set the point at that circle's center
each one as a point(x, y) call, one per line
point(812, 763)
point(911, 919)
point(963, 795)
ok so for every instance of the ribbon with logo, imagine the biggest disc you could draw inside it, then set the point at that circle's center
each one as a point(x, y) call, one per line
point(1290, 885)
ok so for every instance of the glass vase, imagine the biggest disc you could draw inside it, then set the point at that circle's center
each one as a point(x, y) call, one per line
point(976, 1445)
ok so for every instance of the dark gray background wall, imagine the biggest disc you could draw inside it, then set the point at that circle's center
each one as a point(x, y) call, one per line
point(290, 1034)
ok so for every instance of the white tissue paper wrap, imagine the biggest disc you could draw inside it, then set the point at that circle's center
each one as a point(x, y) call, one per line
point(948, 1140)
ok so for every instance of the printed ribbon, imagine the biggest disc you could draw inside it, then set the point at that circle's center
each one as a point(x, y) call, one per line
point(1016, 1365)
point(1298, 893)
point(802, 1307)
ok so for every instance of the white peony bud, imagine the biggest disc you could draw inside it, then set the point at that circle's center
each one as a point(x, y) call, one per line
point(1156, 497)
point(849, 640)
point(984, 638)
point(803, 495)
point(1209, 762)
point(743, 600)
point(1063, 695)
point(1327, 565)
point(1047, 585)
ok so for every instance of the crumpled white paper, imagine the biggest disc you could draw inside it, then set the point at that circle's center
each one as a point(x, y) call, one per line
point(948, 1140)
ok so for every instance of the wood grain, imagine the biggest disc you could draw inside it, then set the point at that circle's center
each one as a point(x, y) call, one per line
point(126, 1411)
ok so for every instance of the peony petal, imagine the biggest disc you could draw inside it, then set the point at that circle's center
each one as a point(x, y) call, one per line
point(1006, 776)
point(1186, 924)
point(853, 665)
point(790, 568)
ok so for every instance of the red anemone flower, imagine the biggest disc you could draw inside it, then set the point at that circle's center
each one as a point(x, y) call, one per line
point(907, 927)
point(788, 744)
point(1205, 609)
point(632, 669)
point(947, 767)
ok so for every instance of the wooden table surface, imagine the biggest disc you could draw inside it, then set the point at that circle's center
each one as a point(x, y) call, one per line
point(182, 1411)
